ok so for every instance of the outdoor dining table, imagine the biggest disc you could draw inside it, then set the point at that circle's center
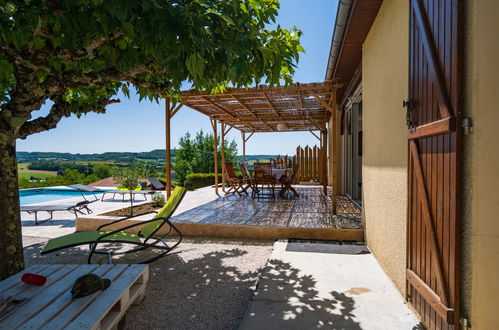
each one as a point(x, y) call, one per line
point(277, 173)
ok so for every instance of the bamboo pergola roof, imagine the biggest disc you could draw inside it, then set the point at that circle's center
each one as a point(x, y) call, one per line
point(299, 107)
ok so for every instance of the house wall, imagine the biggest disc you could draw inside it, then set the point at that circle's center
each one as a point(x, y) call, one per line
point(384, 162)
point(480, 286)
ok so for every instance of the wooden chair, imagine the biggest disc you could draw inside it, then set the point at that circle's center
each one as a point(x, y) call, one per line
point(245, 172)
point(263, 183)
point(237, 185)
point(287, 181)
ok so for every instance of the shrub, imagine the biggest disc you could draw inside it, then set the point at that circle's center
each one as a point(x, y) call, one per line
point(199, 180)
point(158, 199)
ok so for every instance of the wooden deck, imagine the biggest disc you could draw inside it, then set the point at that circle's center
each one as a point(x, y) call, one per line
point(308, 217)
point(202, 214)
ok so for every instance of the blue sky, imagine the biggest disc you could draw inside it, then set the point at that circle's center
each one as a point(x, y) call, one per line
point(134, 126)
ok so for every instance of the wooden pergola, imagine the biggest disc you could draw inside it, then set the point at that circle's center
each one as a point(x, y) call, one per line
point(299, 107)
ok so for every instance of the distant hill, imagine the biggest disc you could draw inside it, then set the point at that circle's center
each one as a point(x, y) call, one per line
point(157, 154)
point(26, 157)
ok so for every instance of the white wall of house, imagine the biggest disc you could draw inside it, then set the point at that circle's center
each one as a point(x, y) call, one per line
point(384, 162)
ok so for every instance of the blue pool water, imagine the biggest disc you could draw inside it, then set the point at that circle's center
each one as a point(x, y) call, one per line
point(40, 195)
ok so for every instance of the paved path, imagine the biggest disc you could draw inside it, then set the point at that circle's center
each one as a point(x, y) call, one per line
point(325, 285)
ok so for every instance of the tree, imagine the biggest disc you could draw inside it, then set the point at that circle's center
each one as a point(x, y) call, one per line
point(102, 171)
point(129, 178)
point(195, 155)
point(79, 54)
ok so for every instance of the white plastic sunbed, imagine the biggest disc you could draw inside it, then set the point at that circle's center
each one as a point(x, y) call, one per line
point(50, 209)
point(125, 193)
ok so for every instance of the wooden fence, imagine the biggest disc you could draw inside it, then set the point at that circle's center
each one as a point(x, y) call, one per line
point(311, 163)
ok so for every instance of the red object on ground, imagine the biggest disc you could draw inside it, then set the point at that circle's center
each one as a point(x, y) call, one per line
point(34, 279)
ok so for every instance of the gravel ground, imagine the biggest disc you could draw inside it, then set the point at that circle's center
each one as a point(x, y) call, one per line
point(206, 284)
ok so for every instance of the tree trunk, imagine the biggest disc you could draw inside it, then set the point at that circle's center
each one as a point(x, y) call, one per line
point(11, 247)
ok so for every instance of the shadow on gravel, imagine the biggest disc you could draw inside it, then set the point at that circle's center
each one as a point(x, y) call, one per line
point(193, 289)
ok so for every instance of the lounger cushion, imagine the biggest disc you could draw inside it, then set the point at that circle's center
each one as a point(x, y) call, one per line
point(87, 237)
point(165, 212)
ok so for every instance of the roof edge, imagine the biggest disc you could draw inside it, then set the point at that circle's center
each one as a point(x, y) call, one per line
point(340, 25)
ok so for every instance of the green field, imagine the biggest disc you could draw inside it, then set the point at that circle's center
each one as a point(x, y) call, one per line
point(22, 166)
point(28, 175)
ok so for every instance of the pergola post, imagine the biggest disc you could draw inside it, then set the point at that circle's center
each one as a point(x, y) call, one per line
point(168, 148)
point(245, 139)
point(243, 134)
point(170, 111)
point(222, 127)
point(215, 151)
point(324, 160)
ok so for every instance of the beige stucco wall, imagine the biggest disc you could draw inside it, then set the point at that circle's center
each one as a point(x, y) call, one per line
point(384, 162)
point(480, 289)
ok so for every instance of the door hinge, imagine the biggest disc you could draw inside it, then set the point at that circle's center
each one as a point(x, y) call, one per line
point(467, 125)
point(465, 323)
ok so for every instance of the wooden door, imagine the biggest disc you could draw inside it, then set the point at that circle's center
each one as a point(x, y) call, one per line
point(433, 116)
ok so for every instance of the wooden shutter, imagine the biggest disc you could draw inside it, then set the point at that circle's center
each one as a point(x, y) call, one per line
point(433, 116)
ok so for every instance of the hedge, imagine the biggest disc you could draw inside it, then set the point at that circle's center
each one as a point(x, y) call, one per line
point(199, 180)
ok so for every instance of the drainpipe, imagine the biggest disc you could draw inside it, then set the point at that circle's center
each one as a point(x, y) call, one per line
point(342, 15)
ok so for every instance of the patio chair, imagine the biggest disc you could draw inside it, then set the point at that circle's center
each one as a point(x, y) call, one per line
point(237, 185)
point(287, 181)
point(76, 208)
point(245, 172)
point(145, 239)
point(263, 182)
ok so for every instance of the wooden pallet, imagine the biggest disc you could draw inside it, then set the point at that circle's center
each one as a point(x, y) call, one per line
point(51, 306)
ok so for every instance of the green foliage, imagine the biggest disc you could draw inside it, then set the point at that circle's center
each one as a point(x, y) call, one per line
point(102, 171)
point(195, 155)
point(80, 54)
point(182, 169)
point(199, 180)
point(158, 199)
point(128, 177)
point(70, 176)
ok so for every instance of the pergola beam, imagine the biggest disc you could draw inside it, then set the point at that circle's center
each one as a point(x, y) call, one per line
point(222, 109)
point(273, 109)
point(175, 110)
point(245, 139)
point(248, 109)
point(321, 101)
point(318, 138)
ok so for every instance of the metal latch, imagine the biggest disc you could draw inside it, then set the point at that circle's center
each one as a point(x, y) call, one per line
point(408, 104)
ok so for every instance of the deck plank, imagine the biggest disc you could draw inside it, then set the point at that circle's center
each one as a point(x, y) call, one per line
point(310, 210)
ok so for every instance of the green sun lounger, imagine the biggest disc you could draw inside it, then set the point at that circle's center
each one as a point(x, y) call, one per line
point(145, 239)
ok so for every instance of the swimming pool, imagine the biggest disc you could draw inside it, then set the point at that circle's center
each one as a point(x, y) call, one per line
point(40, 195)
